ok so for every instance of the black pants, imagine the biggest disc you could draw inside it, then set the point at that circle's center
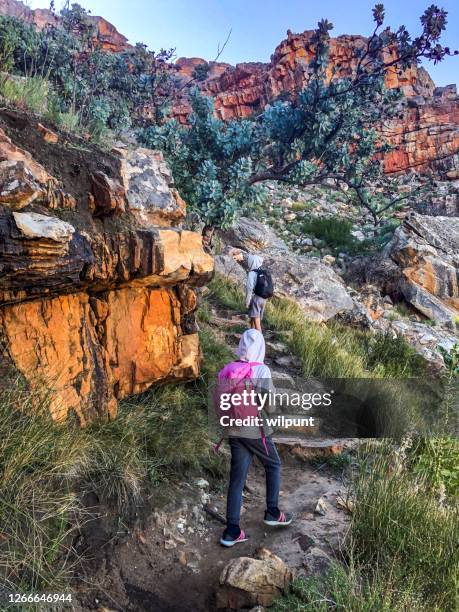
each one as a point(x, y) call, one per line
point(242, 452)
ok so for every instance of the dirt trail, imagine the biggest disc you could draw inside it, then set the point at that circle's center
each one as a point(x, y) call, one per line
point(172, 560)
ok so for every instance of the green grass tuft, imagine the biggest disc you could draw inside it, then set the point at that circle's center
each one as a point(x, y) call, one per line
point(47, 468)
point(332, 350)
point(336, 232)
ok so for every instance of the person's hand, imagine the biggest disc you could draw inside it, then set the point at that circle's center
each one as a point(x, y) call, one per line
point(237, 255)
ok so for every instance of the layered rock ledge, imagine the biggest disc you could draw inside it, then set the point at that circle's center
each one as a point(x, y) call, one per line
point(96, 274)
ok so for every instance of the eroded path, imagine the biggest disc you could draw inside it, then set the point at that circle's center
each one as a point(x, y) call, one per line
point(171, 560)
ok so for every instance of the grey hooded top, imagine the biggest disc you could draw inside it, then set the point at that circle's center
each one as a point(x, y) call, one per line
point(253, 263)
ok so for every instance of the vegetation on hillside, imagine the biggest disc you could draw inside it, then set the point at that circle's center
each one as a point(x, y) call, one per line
point(99, 90)
point(333, 350)
point(401, 550)
point(328, 133)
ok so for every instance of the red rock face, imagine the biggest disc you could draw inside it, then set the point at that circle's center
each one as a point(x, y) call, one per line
point(425, 134)
point(107, 36)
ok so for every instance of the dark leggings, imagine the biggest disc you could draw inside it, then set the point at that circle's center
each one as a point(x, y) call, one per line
point(242, 452)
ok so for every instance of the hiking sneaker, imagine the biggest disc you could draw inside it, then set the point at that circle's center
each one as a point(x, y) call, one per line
point(227, 540)
point(282, 520)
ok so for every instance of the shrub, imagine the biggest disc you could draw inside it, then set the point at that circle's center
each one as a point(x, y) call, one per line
point(392, 357)
point(347, 589)
point(334, 231)
point(399, 527)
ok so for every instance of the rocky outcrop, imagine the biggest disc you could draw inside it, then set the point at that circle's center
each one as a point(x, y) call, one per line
point(424, 135)
point(313, 285)
point(246, 581)
point(241, 90)
point(96, 300)
point(106, 36)
point(426, 249)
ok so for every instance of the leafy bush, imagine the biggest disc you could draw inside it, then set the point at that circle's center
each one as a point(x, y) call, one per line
point(103, 89)
point(436, 460)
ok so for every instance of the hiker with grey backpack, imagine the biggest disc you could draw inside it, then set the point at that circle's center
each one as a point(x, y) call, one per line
point(259, 287)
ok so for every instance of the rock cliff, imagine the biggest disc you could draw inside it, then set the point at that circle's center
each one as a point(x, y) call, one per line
point(425, 134)
point(106, 35)
point(96, 274)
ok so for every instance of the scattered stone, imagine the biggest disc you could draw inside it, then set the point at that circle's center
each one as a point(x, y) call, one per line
point(202, 483)
point(307, 449)
point(306, 516)
point(321, 507)
point(182, 558)
point(329, 260)
point(109, 195)
point(285, 361)
point(169, 544)
point(48, 135)
point(277, 347)
point(247, 581)
point(304, 541)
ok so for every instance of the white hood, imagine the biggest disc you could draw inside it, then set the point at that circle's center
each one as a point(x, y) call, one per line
point(254, 262)
point(251, 345)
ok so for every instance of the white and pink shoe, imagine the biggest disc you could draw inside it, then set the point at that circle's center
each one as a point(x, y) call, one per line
point(227, 540)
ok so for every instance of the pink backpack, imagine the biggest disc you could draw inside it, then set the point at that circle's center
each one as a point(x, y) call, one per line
point(234, 378)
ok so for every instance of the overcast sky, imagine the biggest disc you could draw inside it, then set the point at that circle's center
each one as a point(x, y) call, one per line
point(195, 27)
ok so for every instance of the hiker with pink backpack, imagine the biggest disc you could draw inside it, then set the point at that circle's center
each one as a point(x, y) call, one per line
point(248, 373)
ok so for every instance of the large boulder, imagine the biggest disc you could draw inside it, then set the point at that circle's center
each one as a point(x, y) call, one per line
point(247, 581)
point(97, 300)
point(251, 235)
point(313, 285)
point(426, 249)
point(148, 184)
